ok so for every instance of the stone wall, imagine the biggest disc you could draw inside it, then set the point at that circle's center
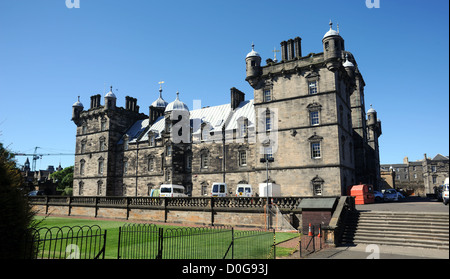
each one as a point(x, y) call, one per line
point(240, 212)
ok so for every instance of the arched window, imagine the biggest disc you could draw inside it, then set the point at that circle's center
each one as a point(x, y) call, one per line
point(82, 166)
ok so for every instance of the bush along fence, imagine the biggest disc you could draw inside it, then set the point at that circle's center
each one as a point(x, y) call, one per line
point(148, 241)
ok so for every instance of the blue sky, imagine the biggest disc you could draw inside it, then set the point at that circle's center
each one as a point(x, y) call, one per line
point(50, 54)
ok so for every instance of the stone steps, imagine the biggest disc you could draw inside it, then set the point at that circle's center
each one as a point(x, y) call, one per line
point(426, 230)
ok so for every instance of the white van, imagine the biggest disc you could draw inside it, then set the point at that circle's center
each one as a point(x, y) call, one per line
point(219, 190)
point(269, 189)
point(244, 190)
point(445, 192)
point(171, 190)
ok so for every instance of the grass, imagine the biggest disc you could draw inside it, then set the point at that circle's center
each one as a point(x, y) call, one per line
point(112, 240)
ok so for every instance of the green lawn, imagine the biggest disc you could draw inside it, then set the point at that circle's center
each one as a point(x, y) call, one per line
point(112, 228)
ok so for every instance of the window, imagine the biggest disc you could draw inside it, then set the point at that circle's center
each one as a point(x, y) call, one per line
point(242, 158)
point(315, 150)
point(169, 150)
point(100, 166)
point(204, 161)
point(168, 175)
point(434, 179)
point(313, 87)
point(99, 188)
point(125, 144)
point(83, 146)
point(82, 163)
point(84, 129)
point(317, 186)
point(151, 164)
point(267, 95)
point(81, 188)
point(314, 116)
point(433, 169)
point(125, 167)
point(317, 189)
point(243, 129)
point(268, 121)
point(152, 140)
point(204, 190)
point(189, 162)
point(102, 144)
point(103, 124)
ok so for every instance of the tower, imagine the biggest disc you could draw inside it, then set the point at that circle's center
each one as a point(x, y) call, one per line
point(253, 67)
point(333, 46)
point(176, 141)
point(98, 131)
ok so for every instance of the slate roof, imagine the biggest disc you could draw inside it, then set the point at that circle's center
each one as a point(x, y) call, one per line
point(215, 116)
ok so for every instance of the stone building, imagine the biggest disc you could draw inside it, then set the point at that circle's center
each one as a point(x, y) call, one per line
point(308, 114)
point(420, 177)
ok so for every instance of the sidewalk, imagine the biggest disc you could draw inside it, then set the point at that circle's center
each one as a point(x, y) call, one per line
point(365, 251)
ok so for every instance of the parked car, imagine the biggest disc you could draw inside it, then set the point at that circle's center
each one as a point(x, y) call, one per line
point(378, 196)
point(172, 190)
point(244, 190)
point(390, 195)
point(36, 193)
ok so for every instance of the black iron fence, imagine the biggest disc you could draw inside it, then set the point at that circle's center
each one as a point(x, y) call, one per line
point(148, 241)
point(85, 242)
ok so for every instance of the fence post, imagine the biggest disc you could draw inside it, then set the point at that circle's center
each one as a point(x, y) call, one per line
point(212, 210)
point(127, 200)
point(274, 245)
point(160, 243)
point(118, 246)
point(232, 243)
point(70, 206)
point(46, 205)
point(165, 209)
point(96, 207)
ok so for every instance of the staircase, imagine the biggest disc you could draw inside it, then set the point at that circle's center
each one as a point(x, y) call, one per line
point(421, 230)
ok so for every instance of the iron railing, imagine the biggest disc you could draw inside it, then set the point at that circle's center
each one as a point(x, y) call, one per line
point(78, 242)
point(148, 241)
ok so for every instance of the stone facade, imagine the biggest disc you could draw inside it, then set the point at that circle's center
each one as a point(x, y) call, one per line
point(308, 114)
point(420, 177)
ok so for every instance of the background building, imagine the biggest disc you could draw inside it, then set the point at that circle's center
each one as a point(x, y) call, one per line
point(420, 177)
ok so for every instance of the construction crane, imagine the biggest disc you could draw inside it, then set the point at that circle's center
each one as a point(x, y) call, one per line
point(36, 156)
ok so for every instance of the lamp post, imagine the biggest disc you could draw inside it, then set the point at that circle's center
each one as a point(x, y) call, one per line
point(267, 160)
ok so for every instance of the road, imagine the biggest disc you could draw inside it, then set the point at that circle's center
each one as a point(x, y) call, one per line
point(410, 204)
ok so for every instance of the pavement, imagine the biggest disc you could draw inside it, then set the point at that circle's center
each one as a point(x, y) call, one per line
point(373, 251)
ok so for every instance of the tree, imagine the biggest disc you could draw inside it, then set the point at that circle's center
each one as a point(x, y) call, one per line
point(16, 215)
point(64, 178)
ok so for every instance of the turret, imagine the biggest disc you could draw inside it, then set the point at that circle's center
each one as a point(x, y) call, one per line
point(253, 67)
point(77, 108)
point(371, 117)
point(110, 100)
point(157, 108)
point(333, 45)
